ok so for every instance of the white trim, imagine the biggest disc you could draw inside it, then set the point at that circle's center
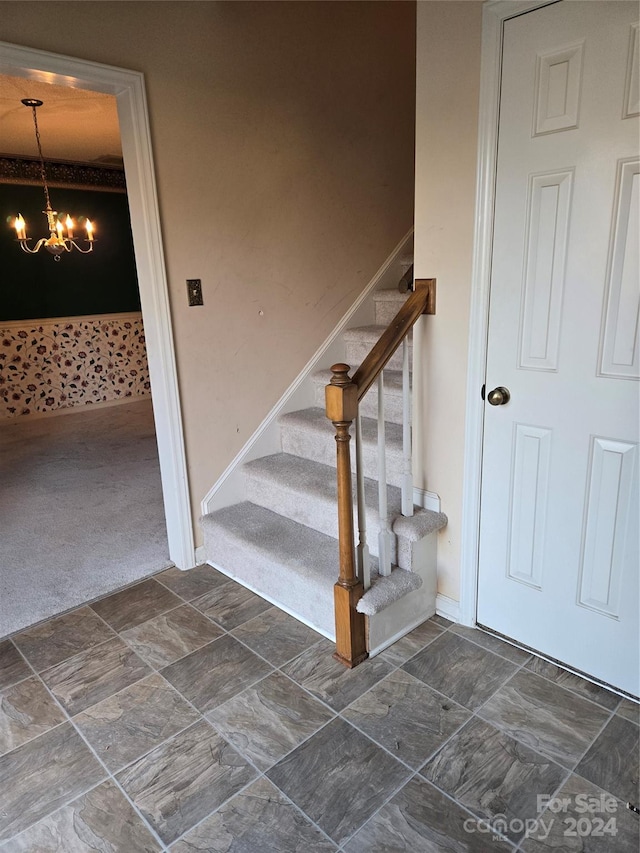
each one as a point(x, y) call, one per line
point(447, 607)
point(495, 13)
point(397, 636)
point(426, 500)
point(128, 88)
point(379, 279)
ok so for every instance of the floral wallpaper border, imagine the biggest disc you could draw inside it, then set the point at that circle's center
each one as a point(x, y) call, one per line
point(54, 364)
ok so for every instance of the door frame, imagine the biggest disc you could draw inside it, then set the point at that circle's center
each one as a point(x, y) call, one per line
point(494, 15)
point(129, 90)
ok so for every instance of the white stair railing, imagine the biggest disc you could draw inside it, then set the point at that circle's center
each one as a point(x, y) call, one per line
point(363, 560)
point(407, 465)
point(385, 536)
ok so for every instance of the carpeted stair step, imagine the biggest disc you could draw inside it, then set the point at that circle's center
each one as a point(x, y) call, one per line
point(385, 589)
point(360, 340)
point(286, 562)
point(369, 405)
point(305, 491)
point(387, 304)
point(310, 434)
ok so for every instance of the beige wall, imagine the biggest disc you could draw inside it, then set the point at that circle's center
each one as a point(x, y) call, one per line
point(448, 76)
point(283, 141)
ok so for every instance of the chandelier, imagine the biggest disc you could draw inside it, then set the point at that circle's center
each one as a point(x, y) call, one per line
point(58, 241)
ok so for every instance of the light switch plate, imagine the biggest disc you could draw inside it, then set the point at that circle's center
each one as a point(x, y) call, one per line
point(194, 291)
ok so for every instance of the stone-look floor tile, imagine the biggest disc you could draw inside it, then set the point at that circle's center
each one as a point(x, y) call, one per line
point(231, 605)
point(574, 683)
point(408, 718)
point(100, 820)
point(420, 819)
point(184, 780)
point(192, 583)
point(13, 667)
point(546, 717)
point(612, 761)
point(216, 673)
point(171, 636)
point(62, 637)
point(409, 645)
point(136, 604)
point(26, 711)
point(494, 776)
point(269, 719)
point(608, 828)
point(339, 778)
point(42, 775)
point(442, 622)
point(94, 675)
point(629, 710)
point(276, 636)
point(318, 672)
point(258, 820)
point(460, 669)
point(135, 720)
point(492, 644)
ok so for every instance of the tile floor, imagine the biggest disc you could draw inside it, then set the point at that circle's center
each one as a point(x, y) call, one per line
point(186, 714)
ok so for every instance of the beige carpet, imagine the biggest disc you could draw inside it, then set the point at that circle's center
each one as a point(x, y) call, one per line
point(81, 510)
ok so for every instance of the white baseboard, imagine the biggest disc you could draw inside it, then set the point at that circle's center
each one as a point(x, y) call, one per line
point(426, 500)
point(398, 636)
point(447, 607)
point(201, 556)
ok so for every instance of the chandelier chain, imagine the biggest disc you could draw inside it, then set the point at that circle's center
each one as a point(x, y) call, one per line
point(42, 169)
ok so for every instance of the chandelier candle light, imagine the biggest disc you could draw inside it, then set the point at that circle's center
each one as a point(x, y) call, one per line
point(57, 242)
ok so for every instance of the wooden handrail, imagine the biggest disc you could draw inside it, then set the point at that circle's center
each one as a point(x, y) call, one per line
point(342, 397)
point(421, 301)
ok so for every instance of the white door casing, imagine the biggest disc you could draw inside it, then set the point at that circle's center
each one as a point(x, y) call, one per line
point(128, 88)
point(558, 552)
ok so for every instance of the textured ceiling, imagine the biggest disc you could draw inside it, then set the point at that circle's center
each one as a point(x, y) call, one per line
point(75, 124)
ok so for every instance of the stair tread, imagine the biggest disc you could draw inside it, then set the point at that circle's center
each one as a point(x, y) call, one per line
point(389, 294)
point(365, 333)
point(316, 480)
point(315, 419)
point(286, 540)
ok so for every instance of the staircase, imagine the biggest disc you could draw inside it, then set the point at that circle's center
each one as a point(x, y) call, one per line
point(281, 540)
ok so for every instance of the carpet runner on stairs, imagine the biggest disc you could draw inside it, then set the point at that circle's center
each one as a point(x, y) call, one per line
point(281, 541)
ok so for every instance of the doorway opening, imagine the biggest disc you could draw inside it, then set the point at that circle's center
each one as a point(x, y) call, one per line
point(128, 89)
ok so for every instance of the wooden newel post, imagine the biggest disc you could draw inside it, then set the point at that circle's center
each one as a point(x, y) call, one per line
point(342, 407)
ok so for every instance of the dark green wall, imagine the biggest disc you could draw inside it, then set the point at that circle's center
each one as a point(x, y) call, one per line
point(37, 286)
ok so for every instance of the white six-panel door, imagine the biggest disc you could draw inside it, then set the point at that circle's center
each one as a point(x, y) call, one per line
point(559, 533)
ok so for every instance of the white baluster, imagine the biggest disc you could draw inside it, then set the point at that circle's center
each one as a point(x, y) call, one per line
point(384, 535)
point(407, 473)
point(362, 549)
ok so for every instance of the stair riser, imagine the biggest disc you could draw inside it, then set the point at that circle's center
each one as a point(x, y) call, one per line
point(369, 406)
point(295, 442)
point(357, 351)
point(321, 516)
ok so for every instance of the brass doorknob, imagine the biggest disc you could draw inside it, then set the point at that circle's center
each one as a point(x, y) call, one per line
point(499, 396)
